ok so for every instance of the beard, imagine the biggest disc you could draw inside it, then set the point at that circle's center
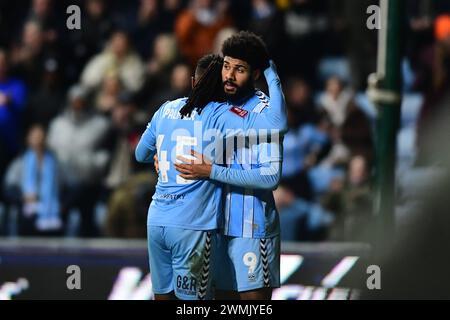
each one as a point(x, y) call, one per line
point(241, 91)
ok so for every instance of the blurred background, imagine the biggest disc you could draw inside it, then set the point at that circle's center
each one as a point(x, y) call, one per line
point(81, 99)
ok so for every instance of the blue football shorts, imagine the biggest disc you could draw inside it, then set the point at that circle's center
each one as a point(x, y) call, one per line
point(180, 261)
point(245, 264)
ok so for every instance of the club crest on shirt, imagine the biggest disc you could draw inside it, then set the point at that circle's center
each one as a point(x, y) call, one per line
point(239, 111)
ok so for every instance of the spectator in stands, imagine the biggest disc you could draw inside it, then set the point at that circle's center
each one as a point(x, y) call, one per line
point(33, 183)
point(171, 9)
point(163, 56)
point(148, 24)
point(300, 220)
point(46, 102)
point(128, 206)
point(356, 133)
point(360, 41)
point(265, 21)
point(12, 102)
point(81, 45)
point(109, 93)
point(180, 85)
point(125, 136)
point(7, 15)
point(351, 201)
point(159, 67)
point(300, 102)
point(437, 93)
point(197, 27)
point(339, 154)
point(352, 127)
point(119, 57)
point(78, 138)
point(336, 100)
point(42, 12)
point(223, 34)
point(354, 137)
point(40, 188)
point(28, 58)
point(420, 43)
point(303, 146)
point(303, 27)
point(305, 140)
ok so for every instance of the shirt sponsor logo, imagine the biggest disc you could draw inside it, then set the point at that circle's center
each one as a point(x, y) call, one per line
point(239, 111)
point(169, 196)
point(186, 285)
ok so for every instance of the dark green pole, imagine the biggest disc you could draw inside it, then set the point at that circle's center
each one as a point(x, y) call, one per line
point(386, 94)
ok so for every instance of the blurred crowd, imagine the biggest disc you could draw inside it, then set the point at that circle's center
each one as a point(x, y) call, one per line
point(73, 104)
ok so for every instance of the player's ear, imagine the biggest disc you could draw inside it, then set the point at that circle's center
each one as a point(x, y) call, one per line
point(256, 74)
point(192, 82)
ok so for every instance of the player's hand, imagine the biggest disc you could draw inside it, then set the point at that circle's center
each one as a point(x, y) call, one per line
point(271, 66)
point(155, 158)
point(194, 169)
point(270, 73)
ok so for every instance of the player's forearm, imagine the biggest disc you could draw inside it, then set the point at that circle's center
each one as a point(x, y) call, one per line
point(144, 151)
point(277, 111)
point(274, 117)
point(259, 178)
point(144, 155)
